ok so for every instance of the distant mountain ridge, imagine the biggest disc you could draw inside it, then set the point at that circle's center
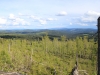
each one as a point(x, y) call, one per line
point(58, 29)
point(69, 32)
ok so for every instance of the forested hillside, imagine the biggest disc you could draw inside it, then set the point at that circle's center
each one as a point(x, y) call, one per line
point(48, 57)
point(52, 33)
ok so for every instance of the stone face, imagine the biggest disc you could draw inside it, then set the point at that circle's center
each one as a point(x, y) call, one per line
point(99, 18)
point(99, 46)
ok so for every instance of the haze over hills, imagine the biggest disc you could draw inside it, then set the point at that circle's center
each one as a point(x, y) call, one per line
point(80, 30)
point(68, 32)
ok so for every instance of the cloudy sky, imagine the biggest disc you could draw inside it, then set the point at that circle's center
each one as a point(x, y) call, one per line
point(43, 14)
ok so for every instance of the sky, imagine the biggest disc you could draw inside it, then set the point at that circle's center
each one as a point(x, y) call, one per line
point(45, 14)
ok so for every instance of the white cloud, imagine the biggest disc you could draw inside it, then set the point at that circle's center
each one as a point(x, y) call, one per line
point(35, 18)
point(14, 20)
point(3, 21)
point(38, 19)
point(19, 21)
point(51, 19)
point(90, 16)
point(88, 19)
point(93, 13)
point(63, 13)
point(43, 21)
point(11, 16)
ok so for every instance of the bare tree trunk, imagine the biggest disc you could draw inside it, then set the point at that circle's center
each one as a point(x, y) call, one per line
point(75, 70)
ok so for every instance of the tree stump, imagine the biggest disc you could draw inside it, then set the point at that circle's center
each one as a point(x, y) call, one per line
point(75, 70)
